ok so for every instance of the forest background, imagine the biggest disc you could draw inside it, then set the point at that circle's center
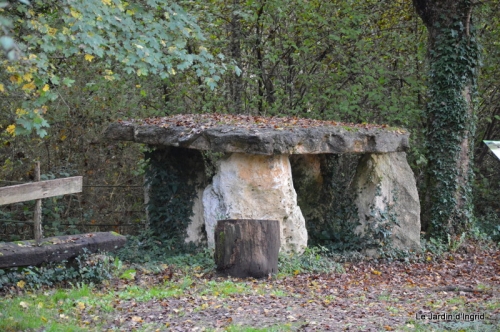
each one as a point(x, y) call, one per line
point(72, 68)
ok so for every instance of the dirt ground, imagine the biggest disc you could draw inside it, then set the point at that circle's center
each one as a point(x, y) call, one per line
point(461, 292)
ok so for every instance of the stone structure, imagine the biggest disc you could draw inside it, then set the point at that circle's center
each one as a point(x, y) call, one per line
point(253, 180)
point(256, 187)
point(387, 189)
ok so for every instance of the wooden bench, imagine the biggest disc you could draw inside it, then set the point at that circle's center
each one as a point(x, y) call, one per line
point(25, 253)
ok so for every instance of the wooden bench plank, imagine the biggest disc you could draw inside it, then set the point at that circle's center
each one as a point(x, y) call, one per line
point(39, 190)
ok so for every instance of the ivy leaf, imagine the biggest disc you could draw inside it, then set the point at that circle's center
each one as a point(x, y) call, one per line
point(68, 82)
point(6, 42)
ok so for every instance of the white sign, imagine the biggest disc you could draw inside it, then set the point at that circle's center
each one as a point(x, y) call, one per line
point(494, 147)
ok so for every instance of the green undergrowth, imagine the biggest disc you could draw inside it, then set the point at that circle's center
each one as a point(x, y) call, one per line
point(86, 268)
point(313, 260)
point(53, 310)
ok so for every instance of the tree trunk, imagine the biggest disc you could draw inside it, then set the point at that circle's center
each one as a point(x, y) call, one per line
point(453, 59)
point(236, 87)
point(247, 248)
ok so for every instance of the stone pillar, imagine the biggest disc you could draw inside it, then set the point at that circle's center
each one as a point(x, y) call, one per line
point(387, 190)
point(256, 187)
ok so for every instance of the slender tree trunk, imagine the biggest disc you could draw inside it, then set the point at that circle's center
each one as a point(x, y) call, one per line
point(237, 84)
point(453, 58)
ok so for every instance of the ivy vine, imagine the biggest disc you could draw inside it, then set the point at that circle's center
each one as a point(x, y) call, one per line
point(454, 55)
point(172, 191)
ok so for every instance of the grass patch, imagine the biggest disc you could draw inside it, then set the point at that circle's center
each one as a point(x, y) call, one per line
point(56, 311)
point(225, 288)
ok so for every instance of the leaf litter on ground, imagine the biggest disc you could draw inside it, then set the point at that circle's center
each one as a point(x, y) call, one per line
point(368, 296)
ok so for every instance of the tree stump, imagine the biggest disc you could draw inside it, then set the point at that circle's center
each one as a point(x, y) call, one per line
point(246, 247)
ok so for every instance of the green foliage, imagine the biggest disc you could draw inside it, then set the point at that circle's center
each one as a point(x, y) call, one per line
point(144, 37)
point(334, 227)
point(488, 225)
point(117, 37)
point(338, 60)
point(337, 225)
point(7, 43)
point(313, 260)
point(147, 247)
point(171, 195)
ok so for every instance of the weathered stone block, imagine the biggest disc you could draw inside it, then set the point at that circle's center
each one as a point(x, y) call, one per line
point(256, 187)
point(386, 185)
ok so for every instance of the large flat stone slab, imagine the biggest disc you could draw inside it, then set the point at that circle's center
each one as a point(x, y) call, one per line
point(260, 135)
point(57, 248)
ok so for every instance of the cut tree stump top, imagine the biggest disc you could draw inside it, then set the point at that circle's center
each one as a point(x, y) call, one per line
point(260, 135)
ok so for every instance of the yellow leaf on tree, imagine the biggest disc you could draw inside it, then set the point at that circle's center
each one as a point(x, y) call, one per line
point(52, 31)
point(106, 2)
point(89, 57)
point(75, 14)
point(20, 283)
point(20, 112)
point(29, 86)
point(27, 77)
point(16, 79)
point(2, 88)
point(11, 130)
point(46, 88)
